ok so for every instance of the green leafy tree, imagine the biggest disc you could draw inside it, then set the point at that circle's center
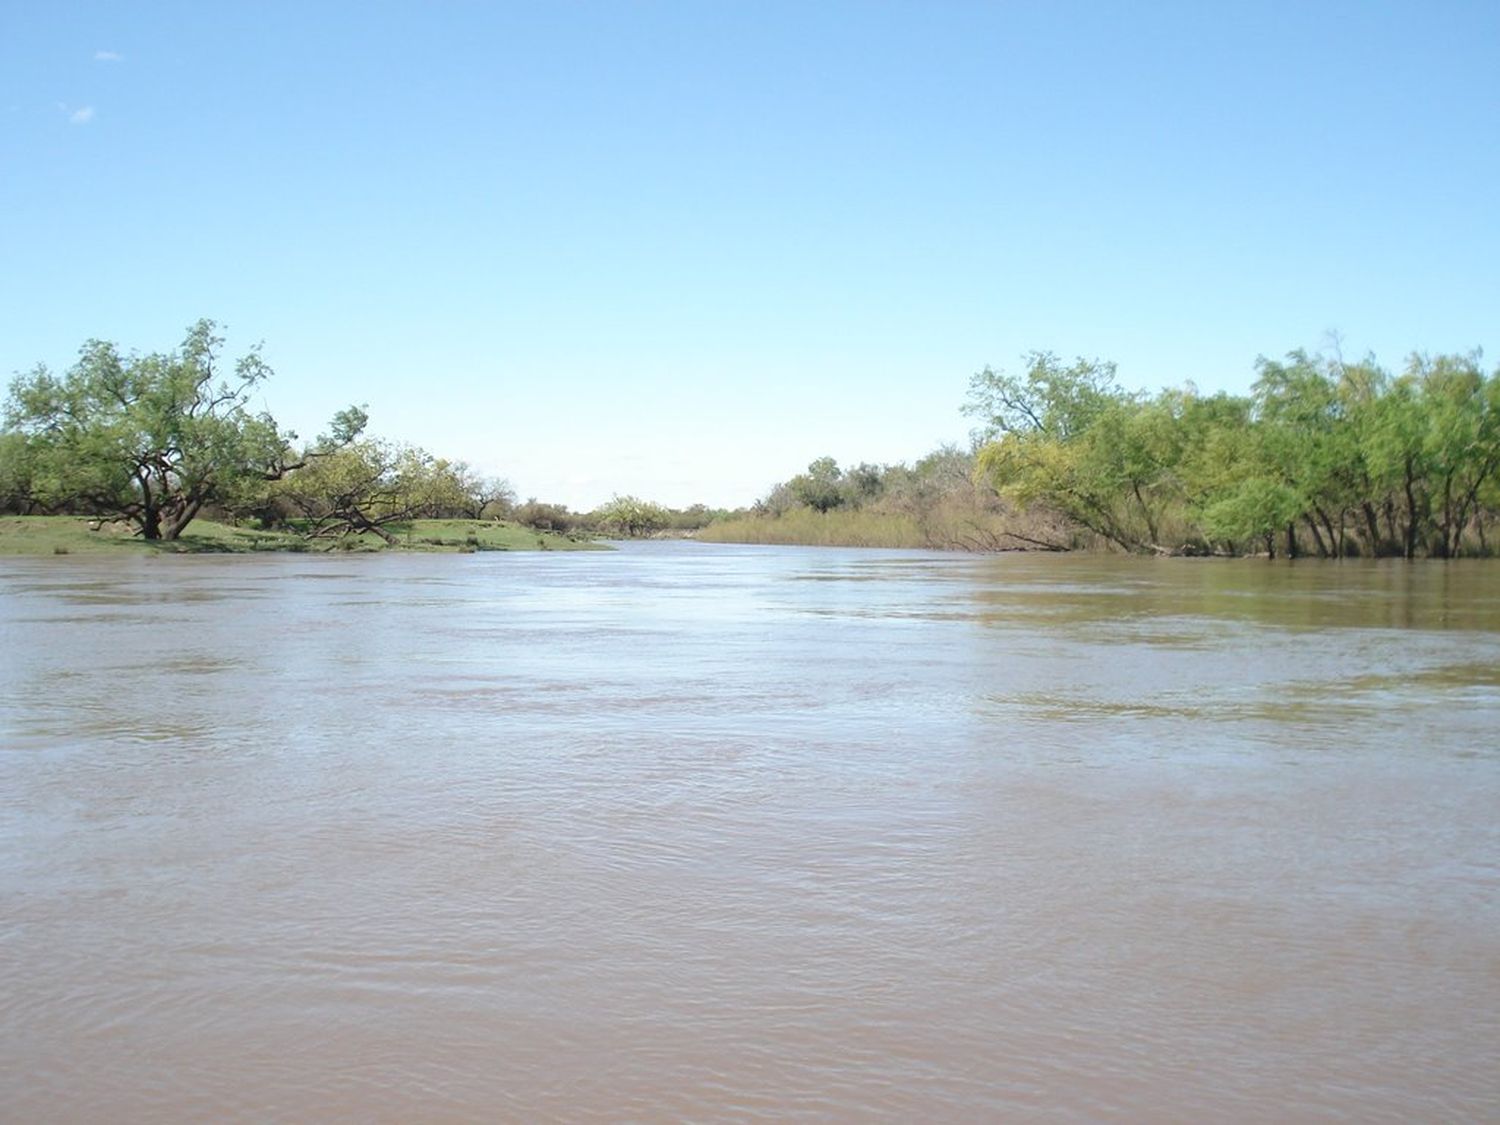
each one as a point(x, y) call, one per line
point(1393, 442)
point(1308, 445)
point(1462, 442)
point(480, 497)
point(16, 493)
point(1033, 469)
point(1327, 456)
point(1049, 398)
point(863, 484)
point(150, 439)
point(1069, 439)
point(364, 486)
point(820, 488)
point(1251, 510)
point(546, 517)
point(632, 517)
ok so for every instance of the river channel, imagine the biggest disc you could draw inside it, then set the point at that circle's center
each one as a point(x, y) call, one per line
point(697, 832)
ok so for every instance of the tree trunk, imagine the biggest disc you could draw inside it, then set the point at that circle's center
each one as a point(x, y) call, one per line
point(1449, 529)
point(1411, 512)
point(363, 524)
point(150, 514)
point(184, 517)
point(1312, 526)
point(1333, 540)
point(1372, 525)
point(1291, 541)
point(1146, 512)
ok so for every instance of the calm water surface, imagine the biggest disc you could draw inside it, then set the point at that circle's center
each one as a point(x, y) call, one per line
point(722, 833)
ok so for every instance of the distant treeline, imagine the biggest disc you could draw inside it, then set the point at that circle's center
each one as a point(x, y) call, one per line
point(941, 502)
point(158, 440)
point(1323, 458)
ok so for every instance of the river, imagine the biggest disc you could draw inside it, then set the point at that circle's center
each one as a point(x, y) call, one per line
point(728, 833)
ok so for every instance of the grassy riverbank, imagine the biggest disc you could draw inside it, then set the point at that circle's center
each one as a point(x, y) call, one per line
point(74, 535)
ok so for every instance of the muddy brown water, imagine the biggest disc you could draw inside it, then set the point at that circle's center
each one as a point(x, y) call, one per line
point(693, 832)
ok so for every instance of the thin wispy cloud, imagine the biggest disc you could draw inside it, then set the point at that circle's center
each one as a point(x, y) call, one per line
point(82, 115)
point(108, 56)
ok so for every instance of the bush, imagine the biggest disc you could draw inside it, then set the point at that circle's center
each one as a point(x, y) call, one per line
point(546, 517)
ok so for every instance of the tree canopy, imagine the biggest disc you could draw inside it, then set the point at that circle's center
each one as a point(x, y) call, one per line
point(1333, 458)
point(1322, 456)
point(149, 438)
point(631, 517)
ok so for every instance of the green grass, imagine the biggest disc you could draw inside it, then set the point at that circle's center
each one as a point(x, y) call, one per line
point(481, 535)
point(76, 535)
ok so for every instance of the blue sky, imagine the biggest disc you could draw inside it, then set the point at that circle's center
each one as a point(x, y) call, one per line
point(681, 249)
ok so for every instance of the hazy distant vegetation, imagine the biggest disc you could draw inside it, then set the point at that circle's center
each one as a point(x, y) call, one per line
point(1322, 457)
point(940, 502)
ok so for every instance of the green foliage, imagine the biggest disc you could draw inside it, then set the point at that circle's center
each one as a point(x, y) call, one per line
point(694, 517)
point(1112, 476)
point(547, 517)
point(1323, 456)
point(149, 438)
point(820, 488)
point(365, 486)
point(1250, 511)
point(74, 535)
point(467, 535)
point(939, 502)
point(631, 517)
point(1048, 398)
point(16, 490)
point(1333, 457)
point(346, 426)
point(1461, 447)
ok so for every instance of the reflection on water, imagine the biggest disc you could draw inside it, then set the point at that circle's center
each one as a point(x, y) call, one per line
point(715, 832)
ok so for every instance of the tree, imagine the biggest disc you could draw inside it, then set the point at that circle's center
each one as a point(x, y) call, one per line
point(151, 438)
point(482, 496)
point(631, 517)
point(1071, 478)
point(819, 487)
point(1070, 439)
point(546, 517)
point(1251, 511)
point(1462, 446)
point(365, 486)
point(16, 492)
point(1307, 444)
point(863, 483)
point(1049, 398)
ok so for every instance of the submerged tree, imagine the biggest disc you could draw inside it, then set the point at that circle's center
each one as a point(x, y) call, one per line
point(1334, 458)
